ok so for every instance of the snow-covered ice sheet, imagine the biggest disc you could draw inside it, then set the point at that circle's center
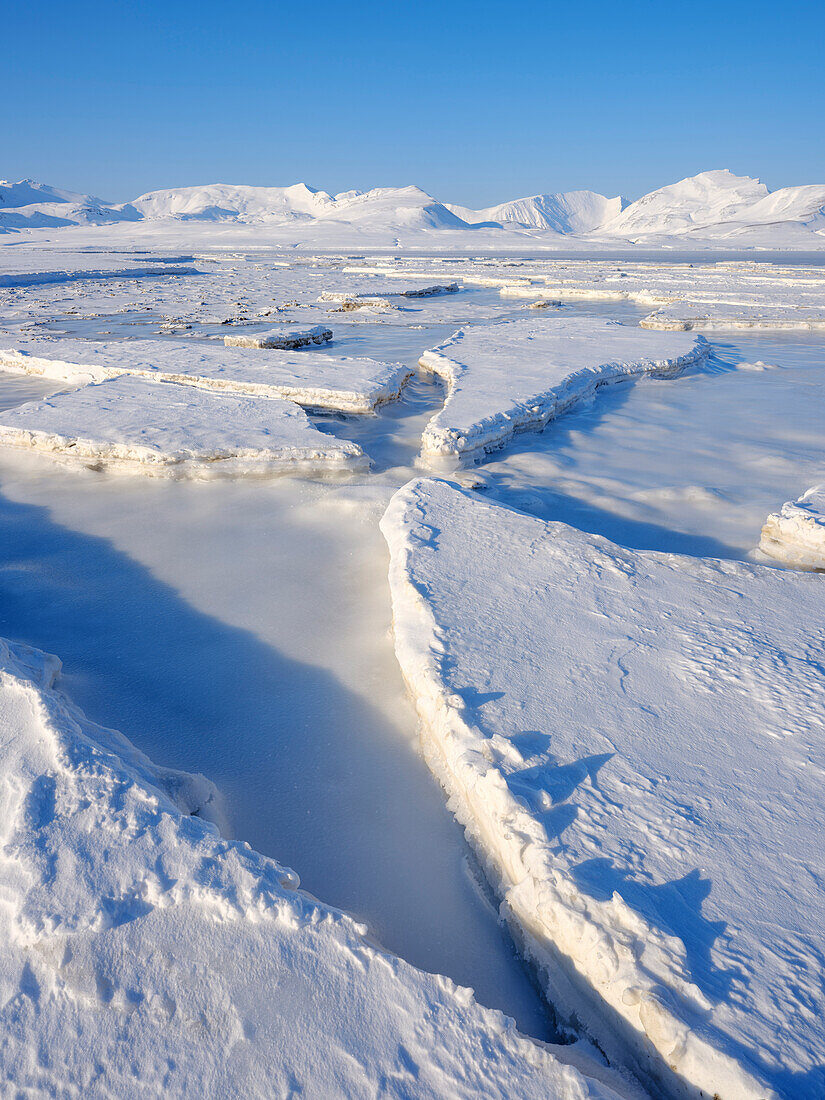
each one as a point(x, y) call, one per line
point(134, 425)
point(145, 956)
point(313, 378)
point(634, 742)
point(518, 375)
point(683, 316)
point(796, 534)
point(727, 295)
point(281, 337)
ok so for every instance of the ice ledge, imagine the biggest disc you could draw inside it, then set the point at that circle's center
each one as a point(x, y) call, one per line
point(602, 962)
point(796, 534)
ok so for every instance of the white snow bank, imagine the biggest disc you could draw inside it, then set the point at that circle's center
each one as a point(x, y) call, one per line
point(141, 955)
point(281, 337)
point(634, 743)
point(796, 534)
point(518, 375)
point(139, 426)
point(314, 379)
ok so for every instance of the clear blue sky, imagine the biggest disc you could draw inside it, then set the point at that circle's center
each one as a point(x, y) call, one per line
point(475, 102)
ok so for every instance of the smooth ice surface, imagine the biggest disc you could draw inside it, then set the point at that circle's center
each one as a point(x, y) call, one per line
point(518, 375)
point(660, 843)
point(119, 905)
point(309, 378)
point(796, 534)
point(167, 430)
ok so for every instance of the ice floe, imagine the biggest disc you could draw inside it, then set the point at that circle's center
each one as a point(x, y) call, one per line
point(134, 425)
point(314, 379)
point(634, 743)
point(518, 375)
point(144, 955)
point(281, 337)
point(796, 534)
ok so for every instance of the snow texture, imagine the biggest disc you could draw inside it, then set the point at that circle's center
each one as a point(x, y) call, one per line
point(634, 743)
point(133, 425)
point(313, 379)
point(518, 375)
point(145, 956)
point(796, 534)
point(282, 337)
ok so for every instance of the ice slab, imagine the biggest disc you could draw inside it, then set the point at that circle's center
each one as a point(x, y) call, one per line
point(312, 378)
point(686, 317)
point(134, 425)
point(796, 534)
point(151, 957)
point(281, 337)
point(518, 375)
point(634, 743)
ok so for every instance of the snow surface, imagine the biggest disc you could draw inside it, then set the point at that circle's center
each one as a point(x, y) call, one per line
point(118, 903)
point(137, 426)
point(518, 375)
point(315, 379)
point(796, 534)
point(633, 742)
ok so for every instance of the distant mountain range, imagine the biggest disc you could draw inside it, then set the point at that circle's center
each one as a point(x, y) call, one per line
point(713, 207)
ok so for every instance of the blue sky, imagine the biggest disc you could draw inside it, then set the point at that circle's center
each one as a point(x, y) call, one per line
point(476, 103)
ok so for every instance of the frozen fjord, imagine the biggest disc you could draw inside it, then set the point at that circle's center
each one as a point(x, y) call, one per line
point(317, 550)
point(641, 772)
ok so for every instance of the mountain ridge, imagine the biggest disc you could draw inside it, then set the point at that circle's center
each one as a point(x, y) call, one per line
point(714, 205)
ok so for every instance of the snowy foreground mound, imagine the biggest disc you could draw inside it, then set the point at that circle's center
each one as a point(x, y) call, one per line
point(518, 375)
point(634, 742)
point(141, 955)
point(311, 378)
point(796, 534)
point(134, 425)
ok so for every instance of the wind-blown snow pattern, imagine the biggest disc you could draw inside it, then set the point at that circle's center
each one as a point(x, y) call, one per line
point(314, 379)
point(119, 905)
point(796, 534)
point(518, 375)
point(634, 743)
point(137, 426)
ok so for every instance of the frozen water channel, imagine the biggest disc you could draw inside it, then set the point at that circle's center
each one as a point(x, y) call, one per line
point(243, 629)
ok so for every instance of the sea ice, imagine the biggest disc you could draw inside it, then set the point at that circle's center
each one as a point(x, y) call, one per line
point(312, 378)
point(281, 337)
point(687, 316)
point(145, 956)
point(162, 429)
point(634, 743)
point(518, 375)
point(796, 534)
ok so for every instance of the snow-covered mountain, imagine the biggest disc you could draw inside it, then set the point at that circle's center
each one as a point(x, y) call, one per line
point(565, 212)
point(387, 206)
point(712, 207)
point(32, 205)
point(706, 199)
